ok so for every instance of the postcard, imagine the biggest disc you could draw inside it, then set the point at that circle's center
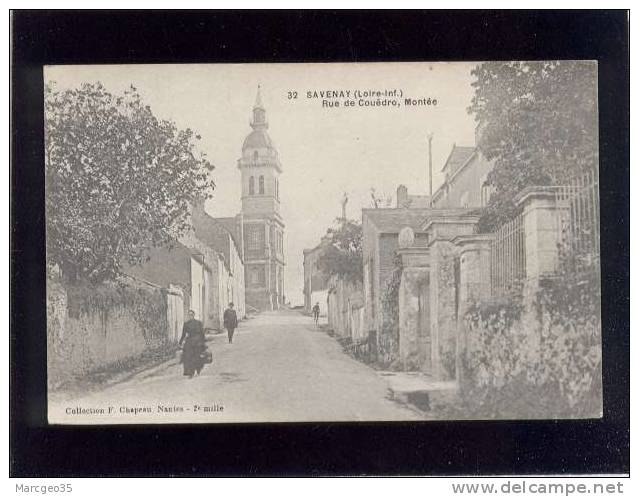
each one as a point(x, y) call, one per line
point(322, 242)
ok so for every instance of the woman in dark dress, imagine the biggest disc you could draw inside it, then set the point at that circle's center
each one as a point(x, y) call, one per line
point(194, 346)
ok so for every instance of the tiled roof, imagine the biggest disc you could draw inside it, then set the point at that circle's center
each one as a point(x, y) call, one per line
point(457, 157)
point(231, 225)
point(393, 220)
point(418, 201)
point(215, 232)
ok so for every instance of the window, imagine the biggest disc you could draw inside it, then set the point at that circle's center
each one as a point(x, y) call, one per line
point(277, 188)
point(257, 276)
point(255, 156)
point(255, 237)
point(251, 186)
point(261, 185)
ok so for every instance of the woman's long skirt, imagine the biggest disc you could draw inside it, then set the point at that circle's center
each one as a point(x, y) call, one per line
point(192, 356)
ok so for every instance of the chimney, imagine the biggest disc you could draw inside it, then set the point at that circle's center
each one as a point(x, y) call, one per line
point(402, 196)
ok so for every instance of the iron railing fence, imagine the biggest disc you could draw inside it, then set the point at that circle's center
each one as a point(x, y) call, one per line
point(508, 258)
point(578, 227)
point(578, 217)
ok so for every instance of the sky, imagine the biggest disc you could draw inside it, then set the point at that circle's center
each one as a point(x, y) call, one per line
point(324, 151)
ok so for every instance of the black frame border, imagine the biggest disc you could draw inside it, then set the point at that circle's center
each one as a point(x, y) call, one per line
point(433, 448)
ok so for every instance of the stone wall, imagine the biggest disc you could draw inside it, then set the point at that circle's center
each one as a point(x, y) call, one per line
point(91, 328)
point(524, 357)
point(344, 303)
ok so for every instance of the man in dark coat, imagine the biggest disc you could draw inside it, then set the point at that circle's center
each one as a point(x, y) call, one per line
point(230, 321)
point(194, 346)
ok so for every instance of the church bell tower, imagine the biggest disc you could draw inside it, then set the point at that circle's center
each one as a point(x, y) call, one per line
point(263, 226)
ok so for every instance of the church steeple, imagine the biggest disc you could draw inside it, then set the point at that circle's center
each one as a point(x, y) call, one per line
point(262, 224)
point(259, 112)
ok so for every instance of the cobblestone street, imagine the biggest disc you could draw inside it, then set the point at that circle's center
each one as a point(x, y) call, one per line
point(280, 367)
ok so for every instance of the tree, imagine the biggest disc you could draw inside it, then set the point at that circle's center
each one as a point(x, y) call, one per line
point(342, 254)
point(538, 122)
point(119, 180)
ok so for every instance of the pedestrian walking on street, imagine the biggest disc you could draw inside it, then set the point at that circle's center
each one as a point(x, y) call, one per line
point(194, 346)
point(316, 311)
point(230, 321)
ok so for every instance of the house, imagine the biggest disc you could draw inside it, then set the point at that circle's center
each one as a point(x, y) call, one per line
point(185, 265)
point(227, 270)
point(465, 174)
point(205, 264)
point(380, 232)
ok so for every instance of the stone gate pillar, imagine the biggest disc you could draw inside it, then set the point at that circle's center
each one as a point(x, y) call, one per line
point(414, 327)
point(541, 218)
point(473, 285)
point(443, 295)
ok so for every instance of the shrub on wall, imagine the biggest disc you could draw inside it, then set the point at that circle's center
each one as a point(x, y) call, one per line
point(494, 343)
point(543, 360)
point(389, 337)
point(146, 305)
point(569, 307)
point(82, 317)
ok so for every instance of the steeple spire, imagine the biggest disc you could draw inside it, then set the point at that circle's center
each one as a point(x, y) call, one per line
point(259, 113)
point(258, 98)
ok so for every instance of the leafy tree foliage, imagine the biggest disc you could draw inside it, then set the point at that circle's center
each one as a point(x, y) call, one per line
point(119, 180)
point(538, 122)
point(342, 254)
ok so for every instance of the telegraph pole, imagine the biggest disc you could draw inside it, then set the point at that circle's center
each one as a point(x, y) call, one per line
point(430, 169)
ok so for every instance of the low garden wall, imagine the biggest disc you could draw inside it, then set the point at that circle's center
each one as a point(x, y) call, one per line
point(535, 356)
point(98, 327)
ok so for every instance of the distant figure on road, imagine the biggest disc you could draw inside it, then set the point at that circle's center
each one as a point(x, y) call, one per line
point(230, 321)
point(194, 346)
point(316, 311)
